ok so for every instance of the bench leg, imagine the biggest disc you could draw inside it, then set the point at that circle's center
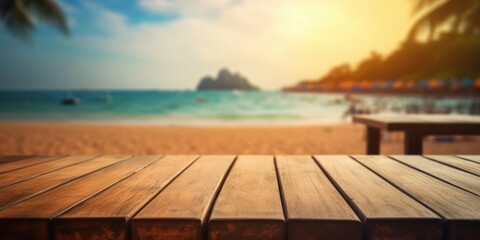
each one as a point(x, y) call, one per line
point(413, 143)
point(373, 141)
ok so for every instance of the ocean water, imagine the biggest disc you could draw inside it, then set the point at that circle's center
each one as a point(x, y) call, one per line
point(204, 108)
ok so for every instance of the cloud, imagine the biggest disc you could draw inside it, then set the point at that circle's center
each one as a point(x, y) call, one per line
point(273, 43)
point(185, 7)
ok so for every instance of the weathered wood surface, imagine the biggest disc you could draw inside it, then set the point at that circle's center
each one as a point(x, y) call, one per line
point(33, 186)
point(42, 168)
point(115, 205)
point(14, 165)
point(240, 197)
point(453, 204)
point(462, 164)
point(388, 213)
point(443, 172)
point(313, 207)
point(474, 158)
point(11, 158)
point(32, 216)
point(181, 210)
point(249, 204)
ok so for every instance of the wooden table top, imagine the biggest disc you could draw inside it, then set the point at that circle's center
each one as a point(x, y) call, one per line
point(239, 197)
point(420, 121)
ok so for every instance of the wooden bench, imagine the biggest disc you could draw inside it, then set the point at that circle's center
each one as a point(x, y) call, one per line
point(240, 197)
point(416, 127)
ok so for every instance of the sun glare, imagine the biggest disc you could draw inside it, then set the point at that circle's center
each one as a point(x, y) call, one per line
point(306, 19)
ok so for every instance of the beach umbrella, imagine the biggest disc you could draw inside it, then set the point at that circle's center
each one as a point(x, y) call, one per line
point(390, 84)
point(433, 83)
point(423, 83)
point(378, 85)
point(477, 83)
point(365, 84)
point(410, 85)
point(467, 82)
point(399, 84)
point(455, 84)
point(346, 85)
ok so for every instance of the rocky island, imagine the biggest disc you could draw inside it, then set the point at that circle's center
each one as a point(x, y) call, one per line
point(226, 80)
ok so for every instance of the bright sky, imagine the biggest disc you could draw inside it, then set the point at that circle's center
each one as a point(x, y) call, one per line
point(171, 44)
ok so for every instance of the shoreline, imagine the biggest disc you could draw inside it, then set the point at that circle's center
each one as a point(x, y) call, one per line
point(159, 122)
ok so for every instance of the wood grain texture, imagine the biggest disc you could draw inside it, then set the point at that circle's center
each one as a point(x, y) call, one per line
point(449, 201)
point(313, 207)
point(113, 207)
point(36, 212)
point(249, 205)
point(34, 186)
point(426, 124)
point(42, 168)
point(180, 211)
point(388, 213)
point(11, 166)
point(465, 165)
point(475, 158)
point(446, 173)
point(11, 158)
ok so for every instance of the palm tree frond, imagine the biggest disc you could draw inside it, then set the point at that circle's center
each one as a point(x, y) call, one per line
point(422, 4)
point(48, 11)
point(452, 9)
point(16, 18)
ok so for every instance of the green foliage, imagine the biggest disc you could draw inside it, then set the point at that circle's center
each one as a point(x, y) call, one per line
point(452, 54)
point(462, 16)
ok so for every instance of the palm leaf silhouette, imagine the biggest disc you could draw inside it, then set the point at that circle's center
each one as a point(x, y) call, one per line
point(20, 16)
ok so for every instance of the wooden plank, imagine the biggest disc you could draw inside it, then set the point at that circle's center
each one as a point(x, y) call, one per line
point(181, 210)
point(313, 207)
point(475, 158)
point(106, 215)
point(30, 218)
point(462, 164)
point(11, 166)
point(39, 169)
point(11, 158)
point(461, 209)
point(34, 186)
point(249, 206)
point(454, 176)
point(386, 211)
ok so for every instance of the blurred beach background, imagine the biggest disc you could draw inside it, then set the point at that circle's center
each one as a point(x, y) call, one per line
point(231, 76)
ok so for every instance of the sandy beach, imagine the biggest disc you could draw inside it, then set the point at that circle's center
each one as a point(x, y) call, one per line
point(52, 138)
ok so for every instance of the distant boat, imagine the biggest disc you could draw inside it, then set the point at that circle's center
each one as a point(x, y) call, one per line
point(70, 101)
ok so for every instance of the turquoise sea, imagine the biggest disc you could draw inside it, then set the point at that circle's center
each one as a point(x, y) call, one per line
point(204, 108)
